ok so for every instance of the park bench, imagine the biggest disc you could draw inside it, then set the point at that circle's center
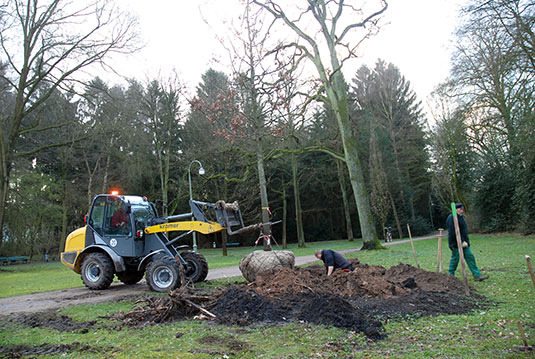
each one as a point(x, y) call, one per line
point(233, 244)
point(4, 261)
point(16, 259)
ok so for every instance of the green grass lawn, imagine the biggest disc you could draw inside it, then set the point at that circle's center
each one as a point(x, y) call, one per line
point(42, 277)
point(489, 333)
point(36, 277)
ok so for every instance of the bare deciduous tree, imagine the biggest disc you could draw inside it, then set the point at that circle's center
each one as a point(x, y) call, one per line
point(45, 44)
point(327, 29)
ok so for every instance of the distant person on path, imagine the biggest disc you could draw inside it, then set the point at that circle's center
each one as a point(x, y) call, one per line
point(333, 260)
point(452, 241)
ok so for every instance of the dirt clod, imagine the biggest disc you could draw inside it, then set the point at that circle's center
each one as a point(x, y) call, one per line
point(427, 281)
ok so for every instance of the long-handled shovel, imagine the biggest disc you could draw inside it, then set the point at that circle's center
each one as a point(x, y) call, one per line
point(460, 247)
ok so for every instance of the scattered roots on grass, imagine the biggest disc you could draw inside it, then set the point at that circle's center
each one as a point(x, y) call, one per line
point(356, 301)
point(184, 302)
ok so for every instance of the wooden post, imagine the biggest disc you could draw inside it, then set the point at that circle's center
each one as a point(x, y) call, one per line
point(460, 247)
point(412, 245)
point(530, 268)
point(439, 253)
point(524, 341)
point(224, 242)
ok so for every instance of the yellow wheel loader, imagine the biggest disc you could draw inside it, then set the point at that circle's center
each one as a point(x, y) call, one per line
point(125, 237)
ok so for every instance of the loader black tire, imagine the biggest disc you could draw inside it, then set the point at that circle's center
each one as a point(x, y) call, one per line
point(97, 271)
point(196, 268)
point(164, 274)
point(130, 277)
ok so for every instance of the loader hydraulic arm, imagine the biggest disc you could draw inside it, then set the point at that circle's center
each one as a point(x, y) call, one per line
point(227, 216)
point(197, 226)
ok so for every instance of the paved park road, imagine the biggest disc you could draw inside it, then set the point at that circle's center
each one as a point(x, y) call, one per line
point(54, 300)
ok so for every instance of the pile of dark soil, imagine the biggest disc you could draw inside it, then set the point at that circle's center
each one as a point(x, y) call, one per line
point(364, 281)
point(356, 300)
point(427, 281)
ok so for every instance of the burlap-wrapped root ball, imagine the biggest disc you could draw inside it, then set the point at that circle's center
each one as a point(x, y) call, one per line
point(259, 261)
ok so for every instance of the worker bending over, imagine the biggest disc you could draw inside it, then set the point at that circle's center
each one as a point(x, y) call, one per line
point(333, 260)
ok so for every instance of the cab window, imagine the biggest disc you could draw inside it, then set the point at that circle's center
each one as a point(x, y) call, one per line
point(117, 218)
point(142, 214)
point(97, 215)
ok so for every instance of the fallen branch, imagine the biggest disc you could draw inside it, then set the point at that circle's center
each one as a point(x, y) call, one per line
point(200, 308)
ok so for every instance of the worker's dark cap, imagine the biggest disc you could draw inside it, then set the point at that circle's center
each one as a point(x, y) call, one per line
point(459, 205)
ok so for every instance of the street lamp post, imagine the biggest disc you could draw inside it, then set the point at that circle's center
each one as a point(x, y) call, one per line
point(201, 172)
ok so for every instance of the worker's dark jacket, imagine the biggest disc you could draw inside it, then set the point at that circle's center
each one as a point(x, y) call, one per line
point(463, 229)
point(335, 259)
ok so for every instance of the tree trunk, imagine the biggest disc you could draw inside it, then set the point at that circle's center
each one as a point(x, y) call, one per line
point(9, 141)
point(266, 227)
point(298, 209)
point(106, 174)
point(337, 95)
point(4, 185)
point(336, 91)
point(224, 242)
point(224, 236)
point(64, 217)
point(90, 176)
point(342, 181)
point(396, 217)
point(284, 216)
point(163, 170)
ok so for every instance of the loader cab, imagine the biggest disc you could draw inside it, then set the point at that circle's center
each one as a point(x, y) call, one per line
point(116, 221)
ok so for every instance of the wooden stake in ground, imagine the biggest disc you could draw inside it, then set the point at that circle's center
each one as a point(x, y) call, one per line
point(524, 341)
point(439, 253)
point(412, 245)
point(460, 247)
point(530, 268)
point(224, 243)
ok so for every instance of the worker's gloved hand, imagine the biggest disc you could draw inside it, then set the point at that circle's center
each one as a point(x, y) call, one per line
point(465, 244)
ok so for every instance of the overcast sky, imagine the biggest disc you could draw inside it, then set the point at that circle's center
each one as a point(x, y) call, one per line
point(416, 37)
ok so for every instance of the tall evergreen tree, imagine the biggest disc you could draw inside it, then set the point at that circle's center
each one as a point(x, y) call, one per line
point(387, 111)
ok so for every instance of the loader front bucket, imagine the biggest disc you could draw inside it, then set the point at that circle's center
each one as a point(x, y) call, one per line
point(228, 215)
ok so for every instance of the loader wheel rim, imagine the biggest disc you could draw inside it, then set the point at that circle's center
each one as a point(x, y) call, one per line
point(191, 268)
point(92, 272)
point(163, 277)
